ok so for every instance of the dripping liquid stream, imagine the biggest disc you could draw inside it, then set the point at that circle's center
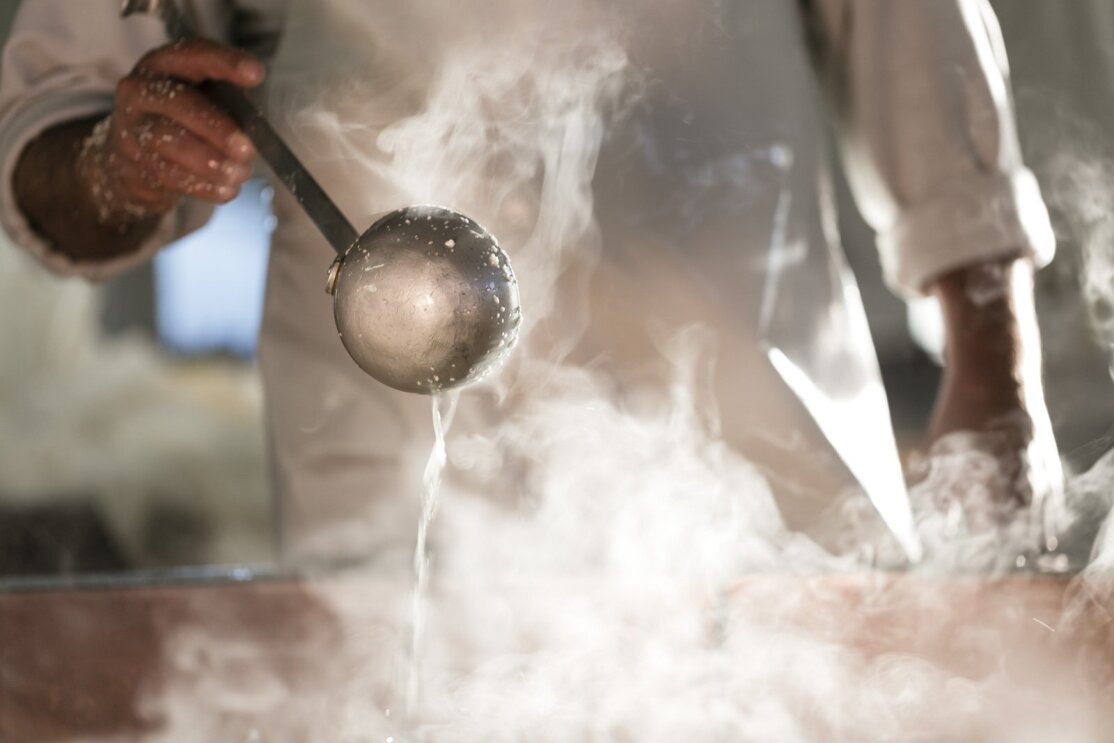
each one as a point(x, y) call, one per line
point(443, 408)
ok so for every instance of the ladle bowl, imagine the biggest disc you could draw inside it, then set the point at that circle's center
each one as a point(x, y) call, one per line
point(425, 300)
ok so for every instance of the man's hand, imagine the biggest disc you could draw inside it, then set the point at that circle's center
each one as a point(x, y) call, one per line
point(991, 395)
point(96, 188)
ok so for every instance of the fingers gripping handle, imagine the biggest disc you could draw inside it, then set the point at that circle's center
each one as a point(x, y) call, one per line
point(325, 214)
point(302, 186)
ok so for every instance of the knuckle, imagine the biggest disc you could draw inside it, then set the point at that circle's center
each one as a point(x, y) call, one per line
point(152, 179)
point(157, 56)
point(134, 186)
point(214, 126)
point(167, 136)
point(191, 104)
point(149, 59)
point(127, 87)
point(164, 92)
point(128, 148)
point(199, 50)
point(221, 127)
point(153, 175)
point(171, 49)
point(166, 150)
point(181, 45)
point(191, 45)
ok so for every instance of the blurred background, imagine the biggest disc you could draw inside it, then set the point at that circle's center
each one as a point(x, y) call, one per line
point(131, 428)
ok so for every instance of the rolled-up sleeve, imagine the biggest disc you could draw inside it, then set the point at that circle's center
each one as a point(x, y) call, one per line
point(61, 63)
point(921, 92)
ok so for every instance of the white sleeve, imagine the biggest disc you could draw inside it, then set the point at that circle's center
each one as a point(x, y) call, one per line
point(62, 62)
point(921, 90)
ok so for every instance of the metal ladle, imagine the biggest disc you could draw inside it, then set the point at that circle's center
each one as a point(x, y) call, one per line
point(425, 299)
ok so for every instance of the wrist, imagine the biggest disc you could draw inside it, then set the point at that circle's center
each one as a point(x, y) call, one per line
point(94, 167)
point(992, 352)
point(989, 319)
point(53, 185)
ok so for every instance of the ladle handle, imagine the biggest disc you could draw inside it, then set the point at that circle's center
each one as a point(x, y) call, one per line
point(275, 152)
point(285, 164)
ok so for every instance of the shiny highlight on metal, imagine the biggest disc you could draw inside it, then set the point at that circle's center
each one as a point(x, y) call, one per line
point(425, 300)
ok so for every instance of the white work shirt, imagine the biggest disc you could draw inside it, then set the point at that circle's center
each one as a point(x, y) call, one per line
point(637, 162)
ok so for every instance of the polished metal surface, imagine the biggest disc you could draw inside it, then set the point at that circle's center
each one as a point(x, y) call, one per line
point(426, 300)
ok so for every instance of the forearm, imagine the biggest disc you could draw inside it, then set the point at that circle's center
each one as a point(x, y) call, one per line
point(992, 352)
point(57, 197)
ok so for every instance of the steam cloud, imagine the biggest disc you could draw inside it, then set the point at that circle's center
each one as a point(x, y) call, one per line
point(639, 585)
